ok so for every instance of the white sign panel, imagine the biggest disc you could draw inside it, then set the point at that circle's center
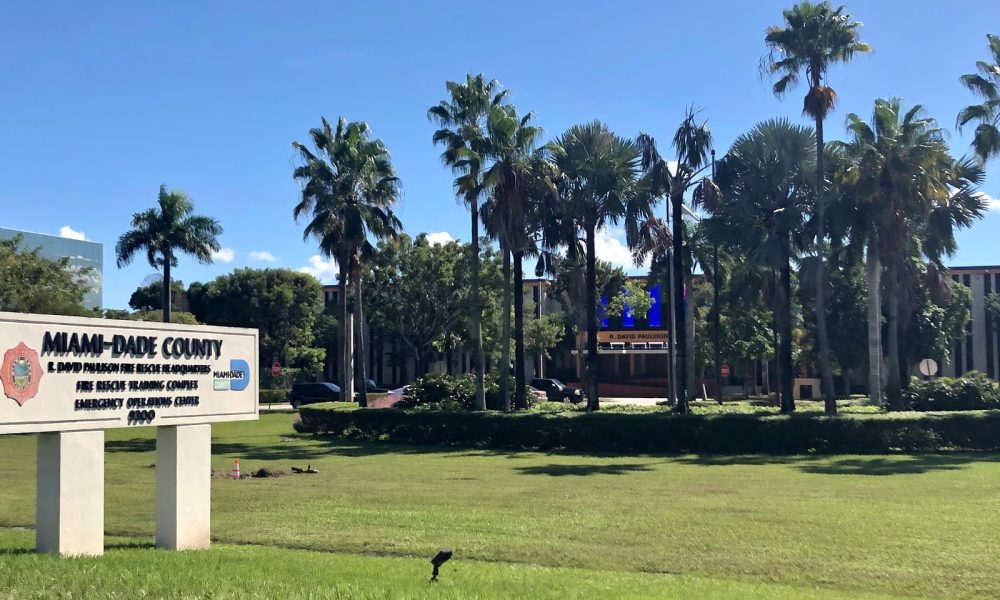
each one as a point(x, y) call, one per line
point(72, 374)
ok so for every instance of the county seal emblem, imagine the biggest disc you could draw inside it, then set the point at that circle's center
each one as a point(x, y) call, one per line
point(20, 373)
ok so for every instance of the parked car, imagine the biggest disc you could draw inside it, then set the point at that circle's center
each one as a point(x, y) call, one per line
point(310, 393)
point(557, 391)
point(373, 388)
point(540, 396)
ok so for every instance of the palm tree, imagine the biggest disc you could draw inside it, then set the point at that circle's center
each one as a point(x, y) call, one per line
point(348, 188)
point(855, 218)
point(510, 144)
point(764, 192)
point(163, 232)
point(599, 185)
point(986, 85)
point(920, 194)
point(462, 132)
point(693, 143)
point(814, 37)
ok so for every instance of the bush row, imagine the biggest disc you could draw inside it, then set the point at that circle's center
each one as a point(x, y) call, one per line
point(277, 396)
point(663, 433)
point(974, 391)
point(456, 391)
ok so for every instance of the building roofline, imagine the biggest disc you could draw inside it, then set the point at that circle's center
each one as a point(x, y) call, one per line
point(51, 235)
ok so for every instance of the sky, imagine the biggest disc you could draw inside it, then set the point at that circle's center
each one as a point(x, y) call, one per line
point(101, 102)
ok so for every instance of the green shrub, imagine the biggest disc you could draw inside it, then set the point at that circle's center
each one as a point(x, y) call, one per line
point(456, 392)
point(274, 396)
point(663, 432)
point(975, 391)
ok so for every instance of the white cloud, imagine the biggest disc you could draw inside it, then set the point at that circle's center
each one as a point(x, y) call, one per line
point(991, 202)
point(610, 246)
point(225, 255)
point(439, 237)
point(322, 269)
point(68, 232)
point(263, 255)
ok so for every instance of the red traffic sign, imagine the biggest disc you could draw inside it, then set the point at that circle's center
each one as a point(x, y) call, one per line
point(275, 369)
point(724, 370)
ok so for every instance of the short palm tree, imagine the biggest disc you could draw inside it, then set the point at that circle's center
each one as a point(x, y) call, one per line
point(986, 85)
point(599, 186)
point(348, 189)
point(813, 37)
point(165, 231)
point(462, 121)
point(919, 194)
point(765, 188)
point(693, 143)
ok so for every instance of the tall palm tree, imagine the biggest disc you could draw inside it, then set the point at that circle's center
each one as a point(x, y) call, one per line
point(986, 85)
point(599, 185)
point(765, 191)
point(692, 143)
point(920, 194)
point(165, 231)
point(510, 144)
point(815, 36)
point(348, 188)
point(462, 121)
point(856, 218)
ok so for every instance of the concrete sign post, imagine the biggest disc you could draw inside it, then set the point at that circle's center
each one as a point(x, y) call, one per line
point(70, 378)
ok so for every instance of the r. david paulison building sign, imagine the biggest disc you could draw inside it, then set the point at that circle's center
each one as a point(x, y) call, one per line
point(70, 378)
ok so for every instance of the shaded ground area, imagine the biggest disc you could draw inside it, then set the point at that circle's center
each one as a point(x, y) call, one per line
point(920, 525)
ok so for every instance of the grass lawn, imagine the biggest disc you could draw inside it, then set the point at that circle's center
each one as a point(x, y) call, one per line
point(527, 524)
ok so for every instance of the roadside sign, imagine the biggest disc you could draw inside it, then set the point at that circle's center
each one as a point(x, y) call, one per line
point(928, 367)
point(724, 370)
point(275, 369)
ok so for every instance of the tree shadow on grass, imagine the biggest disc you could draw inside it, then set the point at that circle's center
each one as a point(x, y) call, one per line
point(862, 465)
point(557, 470)
point(303, 447)
point(114, 546)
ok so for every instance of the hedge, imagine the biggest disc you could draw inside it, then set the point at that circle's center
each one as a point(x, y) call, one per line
point(278, 396)
point(663, 433)
point(974, 391)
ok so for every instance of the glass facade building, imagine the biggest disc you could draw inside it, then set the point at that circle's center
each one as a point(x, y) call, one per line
point(82, 254)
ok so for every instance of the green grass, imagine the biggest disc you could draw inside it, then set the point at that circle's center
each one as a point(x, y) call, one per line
point(528, 524)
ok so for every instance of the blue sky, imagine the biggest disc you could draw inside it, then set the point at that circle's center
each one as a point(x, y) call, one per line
point(102, 102)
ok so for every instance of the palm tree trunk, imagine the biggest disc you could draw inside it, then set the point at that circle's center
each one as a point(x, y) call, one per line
point(823, 341)
point(689, 326)
point(784, 318)
point(873, 269)
point(505, 332)
point(680, 353)
point(476, 312)
point(359, 351)
point(893, 389)
point(778, 370)
point(593, 403)
point(166, 288)
point(346, 375)
point(520, 401)
point(672, 341)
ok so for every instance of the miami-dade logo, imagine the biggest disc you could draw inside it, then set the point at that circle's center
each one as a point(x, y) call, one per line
point(236, 379)
point(20, 373)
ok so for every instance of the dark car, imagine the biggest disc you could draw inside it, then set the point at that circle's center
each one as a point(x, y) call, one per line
point(557, 391)
point(310, 393)
point(373, 388)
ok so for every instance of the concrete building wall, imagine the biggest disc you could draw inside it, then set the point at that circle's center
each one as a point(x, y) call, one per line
point(979, 350)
